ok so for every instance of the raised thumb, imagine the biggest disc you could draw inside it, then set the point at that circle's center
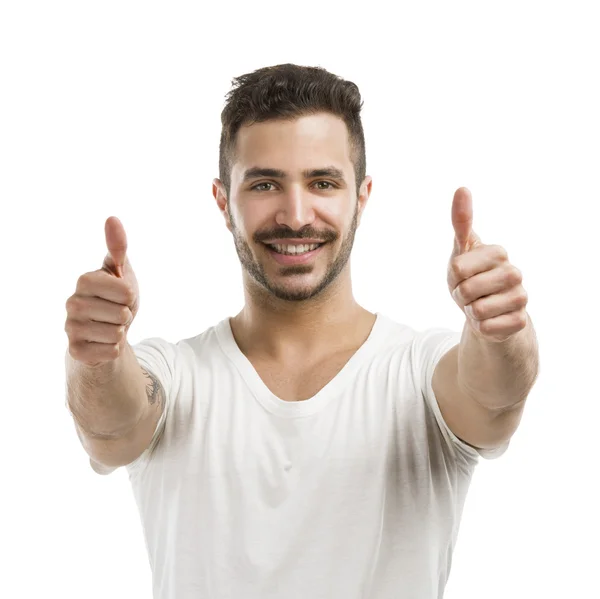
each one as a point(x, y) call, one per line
point(116, 243)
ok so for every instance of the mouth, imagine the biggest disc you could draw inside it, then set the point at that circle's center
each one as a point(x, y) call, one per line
point(293, 253)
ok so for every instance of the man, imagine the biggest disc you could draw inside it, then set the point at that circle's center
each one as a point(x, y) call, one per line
point(305, 447)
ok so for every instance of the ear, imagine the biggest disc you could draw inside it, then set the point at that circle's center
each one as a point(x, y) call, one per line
point(220, 196)
point(363, 198)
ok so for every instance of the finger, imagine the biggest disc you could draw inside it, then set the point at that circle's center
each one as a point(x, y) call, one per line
point(462, 217)
point(502, 327)
point(497, 304)
point(93, 353)
point(96, 332)
point(116, 242)
point(86, 308)
point(477, 260)
point(101, 284)
point(497, 280)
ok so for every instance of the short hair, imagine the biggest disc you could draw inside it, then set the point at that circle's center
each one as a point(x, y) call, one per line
point(286, 92)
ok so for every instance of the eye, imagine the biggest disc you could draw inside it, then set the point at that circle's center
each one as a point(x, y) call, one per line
point(331, 185)
point(259, 184)
point(255, 187)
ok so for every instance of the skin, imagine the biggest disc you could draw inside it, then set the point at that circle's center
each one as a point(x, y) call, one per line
point(302, 310)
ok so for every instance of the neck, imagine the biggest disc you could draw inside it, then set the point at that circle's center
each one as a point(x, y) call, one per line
point(275, 327)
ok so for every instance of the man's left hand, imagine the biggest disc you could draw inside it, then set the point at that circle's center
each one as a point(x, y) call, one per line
point(482, 281)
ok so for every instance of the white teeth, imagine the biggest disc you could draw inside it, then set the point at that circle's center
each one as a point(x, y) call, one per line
point(295, 249)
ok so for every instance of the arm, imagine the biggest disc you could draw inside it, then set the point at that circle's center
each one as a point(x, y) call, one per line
point(481, 385)
point(115, 407)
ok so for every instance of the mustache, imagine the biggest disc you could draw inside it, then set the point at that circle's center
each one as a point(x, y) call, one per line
point(306, 233)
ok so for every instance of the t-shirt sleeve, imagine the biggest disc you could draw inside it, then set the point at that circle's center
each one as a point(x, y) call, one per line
point(158, 357)
point(428, 348)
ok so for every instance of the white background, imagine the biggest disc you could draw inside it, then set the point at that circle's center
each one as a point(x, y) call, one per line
point(113, 108)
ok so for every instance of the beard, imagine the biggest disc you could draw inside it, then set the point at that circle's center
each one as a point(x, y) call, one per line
point(257, 271)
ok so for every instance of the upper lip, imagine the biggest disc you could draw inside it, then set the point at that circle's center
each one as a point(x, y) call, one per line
point(292, 241)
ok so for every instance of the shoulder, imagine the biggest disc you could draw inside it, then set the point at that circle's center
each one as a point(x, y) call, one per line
point(422, 344)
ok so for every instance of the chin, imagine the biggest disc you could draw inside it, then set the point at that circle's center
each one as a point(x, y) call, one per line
point(294, 295)
point(295, 291)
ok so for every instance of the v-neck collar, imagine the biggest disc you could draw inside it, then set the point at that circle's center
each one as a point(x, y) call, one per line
point(306, 407)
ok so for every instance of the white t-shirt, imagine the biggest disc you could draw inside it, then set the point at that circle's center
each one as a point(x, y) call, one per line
point(355, 493)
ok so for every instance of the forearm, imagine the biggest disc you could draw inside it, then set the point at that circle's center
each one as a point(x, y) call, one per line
point(107, 401)
point(498, 375)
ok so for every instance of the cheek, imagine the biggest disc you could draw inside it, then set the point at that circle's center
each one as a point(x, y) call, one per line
point(250, 216)
point(336, 213)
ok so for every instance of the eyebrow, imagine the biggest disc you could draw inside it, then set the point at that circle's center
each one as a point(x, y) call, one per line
point(330, 171)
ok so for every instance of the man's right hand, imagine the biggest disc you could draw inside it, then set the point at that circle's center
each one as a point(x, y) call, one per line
point(104, 304)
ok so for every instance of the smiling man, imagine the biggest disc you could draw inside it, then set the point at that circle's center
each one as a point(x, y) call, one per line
point(307, 244)
point(305, 447)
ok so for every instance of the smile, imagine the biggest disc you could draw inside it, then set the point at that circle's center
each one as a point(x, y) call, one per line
point(296, 253)
point(294, 249)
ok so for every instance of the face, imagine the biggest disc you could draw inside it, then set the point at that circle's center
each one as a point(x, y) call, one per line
point(293, 226)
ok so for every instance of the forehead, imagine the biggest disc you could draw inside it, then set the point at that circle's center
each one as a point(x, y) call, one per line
point(314, 140)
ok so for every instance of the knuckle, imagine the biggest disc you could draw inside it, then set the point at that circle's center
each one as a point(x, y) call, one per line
point(83, 281)
point(75, 351)
point(69, 304)
point(71, 327)
point(477, 310)
point(522, 299)
point(501, 252)
point(129, 295)
point(124, 315)
point(456, 268)
point(512, 275)
point(73, 305)
point(518, 275)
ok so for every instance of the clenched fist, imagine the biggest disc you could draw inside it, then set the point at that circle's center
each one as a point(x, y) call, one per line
point(104, 304)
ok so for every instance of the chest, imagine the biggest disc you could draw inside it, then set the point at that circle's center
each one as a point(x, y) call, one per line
point(302, 379)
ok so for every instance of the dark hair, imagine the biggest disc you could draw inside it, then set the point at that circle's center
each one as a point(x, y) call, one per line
point(285, 92)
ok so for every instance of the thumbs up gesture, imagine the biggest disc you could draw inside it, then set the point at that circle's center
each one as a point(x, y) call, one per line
point(116, 243)
point(104, 304)
point(482, 281)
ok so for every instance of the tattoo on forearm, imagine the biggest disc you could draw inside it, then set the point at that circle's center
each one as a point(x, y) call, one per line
point(154, 389)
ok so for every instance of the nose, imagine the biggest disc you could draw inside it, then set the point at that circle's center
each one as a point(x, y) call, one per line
point(296, 210)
